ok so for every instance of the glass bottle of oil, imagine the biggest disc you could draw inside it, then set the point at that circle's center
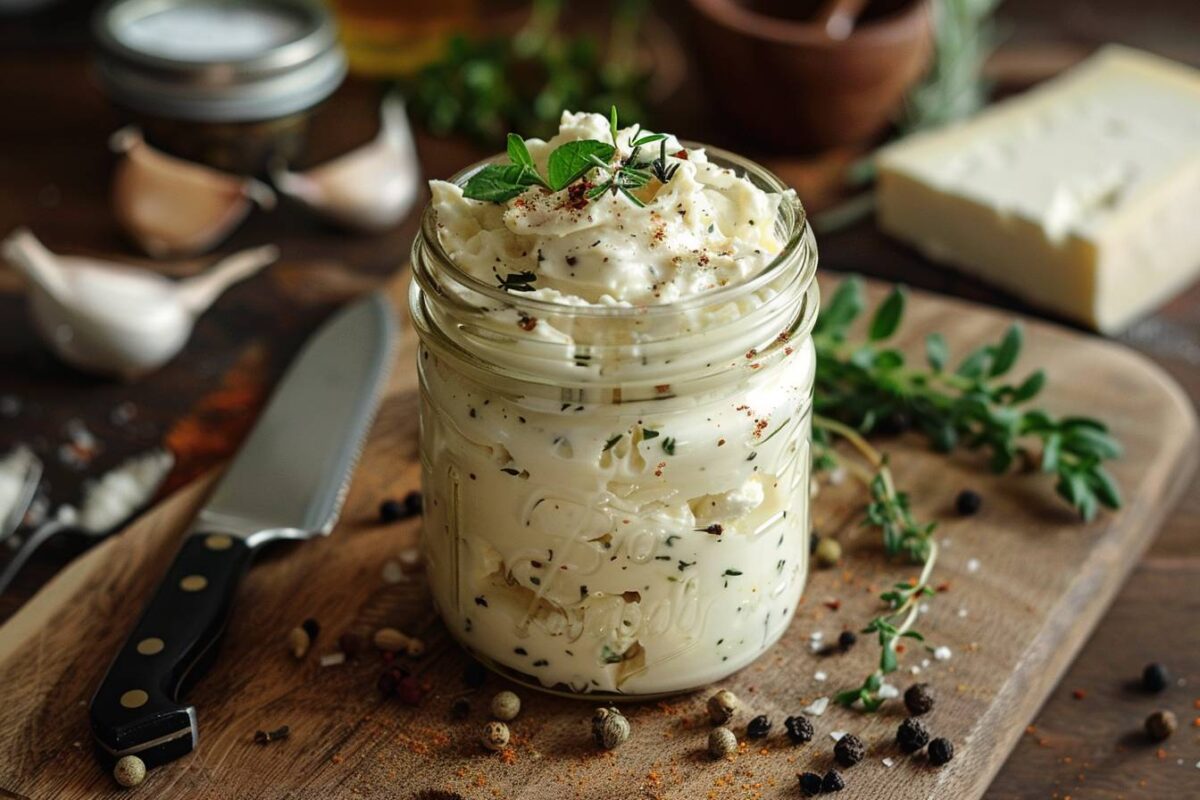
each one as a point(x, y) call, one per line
point(395, 38)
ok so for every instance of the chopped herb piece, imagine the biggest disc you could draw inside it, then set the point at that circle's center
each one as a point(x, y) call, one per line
point(612, 442)
point(668, 445)
point(517, 282)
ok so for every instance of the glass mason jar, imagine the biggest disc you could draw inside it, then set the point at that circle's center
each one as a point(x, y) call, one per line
point(617, 498)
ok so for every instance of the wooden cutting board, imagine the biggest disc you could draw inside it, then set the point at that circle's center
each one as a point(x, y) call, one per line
point(1038, 581)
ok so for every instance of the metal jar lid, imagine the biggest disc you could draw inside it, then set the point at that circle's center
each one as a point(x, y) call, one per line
point(218, 60)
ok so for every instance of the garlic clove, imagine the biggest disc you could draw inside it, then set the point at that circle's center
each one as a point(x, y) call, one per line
point(173, 207)
point(199, 292)
point(369, 189)
point(116, 319)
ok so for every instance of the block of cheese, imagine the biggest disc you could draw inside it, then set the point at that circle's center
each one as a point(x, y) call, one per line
point(1081, 196)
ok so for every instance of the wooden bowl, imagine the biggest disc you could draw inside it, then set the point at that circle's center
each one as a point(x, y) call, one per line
point(790, 85)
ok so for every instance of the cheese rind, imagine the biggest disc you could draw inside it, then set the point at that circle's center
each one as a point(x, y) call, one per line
point(1081, 196)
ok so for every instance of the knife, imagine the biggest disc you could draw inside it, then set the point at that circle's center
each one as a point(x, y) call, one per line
point(287, 482)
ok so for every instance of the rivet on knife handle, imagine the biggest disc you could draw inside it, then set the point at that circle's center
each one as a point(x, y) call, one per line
point(137, 709)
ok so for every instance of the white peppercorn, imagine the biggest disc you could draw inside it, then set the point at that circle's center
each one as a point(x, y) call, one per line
point(506, 706)
point(609, 728)
point(722, 742)
point(722, 706)
point(495, 736)
point(129, 771)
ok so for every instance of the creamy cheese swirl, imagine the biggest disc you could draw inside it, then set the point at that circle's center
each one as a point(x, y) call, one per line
point(706, 228)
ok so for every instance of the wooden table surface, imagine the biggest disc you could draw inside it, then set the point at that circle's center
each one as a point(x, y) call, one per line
point(54, 171)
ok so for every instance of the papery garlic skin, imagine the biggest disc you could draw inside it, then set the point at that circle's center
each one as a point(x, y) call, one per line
point(370, 189)
point(173, 207)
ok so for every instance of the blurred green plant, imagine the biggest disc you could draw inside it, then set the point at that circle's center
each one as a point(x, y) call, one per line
point(485, 87)
point(964, 36)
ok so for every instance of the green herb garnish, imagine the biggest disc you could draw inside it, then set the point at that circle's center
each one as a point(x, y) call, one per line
point(863, 386)
point(517, 281)
point(612, 442)
point(571, 162)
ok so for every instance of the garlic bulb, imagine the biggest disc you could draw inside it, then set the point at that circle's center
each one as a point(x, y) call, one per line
point(173, 207)
point(117, 319)
point(368, 189)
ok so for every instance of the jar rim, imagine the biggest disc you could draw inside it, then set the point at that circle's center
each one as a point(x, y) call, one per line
point(763, 177)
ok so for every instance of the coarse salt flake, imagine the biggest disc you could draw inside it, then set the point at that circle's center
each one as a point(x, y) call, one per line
point(973, 565)
point(819, 675)
point(817, 707)
point(942, 653)
point(836, 735)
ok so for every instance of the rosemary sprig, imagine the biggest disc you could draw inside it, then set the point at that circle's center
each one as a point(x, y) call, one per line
point(863, 386)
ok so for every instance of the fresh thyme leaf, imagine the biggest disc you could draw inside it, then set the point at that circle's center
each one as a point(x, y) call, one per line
point(887, 316)
point(612, 442)
point(936, 351)
point(668, 445)
point(649, 139)
point(518, 281)
point(612, 124)
point(571, 161)
point(648, 434)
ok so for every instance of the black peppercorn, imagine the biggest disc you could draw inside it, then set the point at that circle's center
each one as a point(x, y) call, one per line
point(414, 503)
point(1155, 677)
point(849, 750)
point(832, 782)
point(1160, 725)
point(814, 539)
point(474, 674)
point(799, 729)
point(810, 783)
point(912, 735)
point(759, 727)
point(940, 751)
point(460, 708)
point(391, 511)
point(311, 627)
point(918, 699)
point(846, 640)
point(968, 502)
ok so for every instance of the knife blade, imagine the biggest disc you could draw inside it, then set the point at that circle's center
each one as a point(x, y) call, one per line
point(287, 481)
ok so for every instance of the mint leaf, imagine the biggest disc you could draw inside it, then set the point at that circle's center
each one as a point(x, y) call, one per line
point(571, 161)
point(518, 153)
point(496, 184)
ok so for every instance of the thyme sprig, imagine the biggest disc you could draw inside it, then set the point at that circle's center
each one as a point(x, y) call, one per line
point(571, 162)
point(888, 510)
point(869, 386)
point(864, 386)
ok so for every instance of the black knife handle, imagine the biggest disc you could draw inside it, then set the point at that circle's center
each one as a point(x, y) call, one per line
point(136, 710)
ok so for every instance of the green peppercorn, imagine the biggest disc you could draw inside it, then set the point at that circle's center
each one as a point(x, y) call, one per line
point(829, 552)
